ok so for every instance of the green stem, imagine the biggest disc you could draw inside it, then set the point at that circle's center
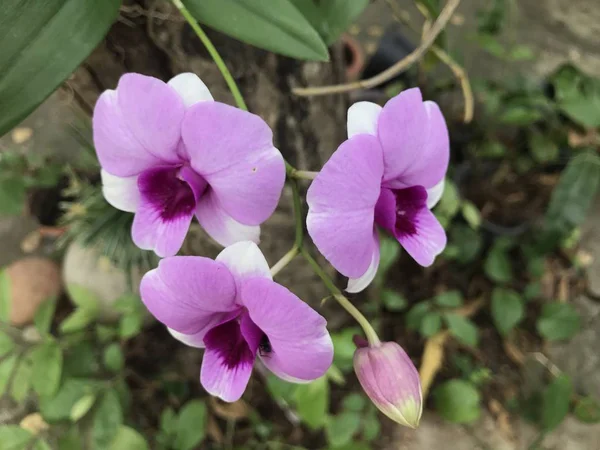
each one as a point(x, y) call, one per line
point(285, 260)
point(342, 300)
point(299, 241)
point(239, 100)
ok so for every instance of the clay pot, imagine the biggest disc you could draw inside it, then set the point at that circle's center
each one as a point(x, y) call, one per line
point(33, 280)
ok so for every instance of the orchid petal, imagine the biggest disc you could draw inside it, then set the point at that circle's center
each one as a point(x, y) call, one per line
point(120, 192)
point(190, 88)
point(363, 118)
point(359, 284)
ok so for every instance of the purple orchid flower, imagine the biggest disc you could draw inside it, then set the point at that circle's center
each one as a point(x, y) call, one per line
point(169, 152)
point(233, 309)
point(390, 172)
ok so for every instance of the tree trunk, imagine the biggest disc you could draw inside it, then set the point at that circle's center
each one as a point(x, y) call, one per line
point(153, 39)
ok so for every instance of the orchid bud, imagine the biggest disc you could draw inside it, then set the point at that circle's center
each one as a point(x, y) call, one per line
point(391, 381)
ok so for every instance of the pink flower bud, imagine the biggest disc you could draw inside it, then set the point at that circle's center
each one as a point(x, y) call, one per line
point(391, 381)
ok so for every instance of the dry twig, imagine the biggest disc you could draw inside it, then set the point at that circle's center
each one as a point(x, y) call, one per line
point(397, 68)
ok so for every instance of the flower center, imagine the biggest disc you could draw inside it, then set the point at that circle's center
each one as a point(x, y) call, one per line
point(172, 191)
point(409, 201)
point(228, 341)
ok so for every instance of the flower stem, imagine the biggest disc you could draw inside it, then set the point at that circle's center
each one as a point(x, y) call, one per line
point(342, 300)
point(239, 100)
point(304, 174)
point(285, 260)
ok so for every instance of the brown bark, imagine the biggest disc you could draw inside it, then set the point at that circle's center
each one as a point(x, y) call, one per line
point(152, 38)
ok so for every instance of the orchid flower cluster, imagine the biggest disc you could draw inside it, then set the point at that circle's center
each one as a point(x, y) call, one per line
point(169, 152)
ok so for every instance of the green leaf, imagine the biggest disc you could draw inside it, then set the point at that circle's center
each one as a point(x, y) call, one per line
point(70, 440)
point(389, 254)
point(77, 321)
point(497, 265)
point(416, 314)
point(558, 321)
point(21, 382)
point(70, 392)
point(7, 366)
point(6, 344)
point(41, 444)
point(106, 333)
point(312, 402)
point(113, 358)
point(47, 361)
point(168, 421)
point(449, 204)
point(533, 290)
point(83, 360)
point(130, 325)
point(341, 428)
point(449, 299)
point(466, 241)
point(520, 115)
point(335, 375)
point(128, 438)
point(354, 402)
point(393, 301)
point(458, 401)
point(462, 329)
point(371, 426)
point(573, 195)
point(4, 296)
point(66, 29)
point(12, 189)
point(82, 407)
point(330, 18)
point(471, 214)
point(43, 316)
point(108, 418)
point(13, 437)
point(542, 147)
point(555, 402)
point(191, 425)
point(83, 297)
point(343, 347)
point(280, 389)
point(275, 26)
point(587, 410)
point(507, 309)
point(431, 324)
point(578, 96)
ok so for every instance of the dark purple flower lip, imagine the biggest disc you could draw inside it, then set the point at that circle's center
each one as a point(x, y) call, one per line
point(408, 202)
point(172, 191)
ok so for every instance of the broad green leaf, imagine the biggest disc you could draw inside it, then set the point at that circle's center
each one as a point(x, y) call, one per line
point(471, 214)
point(106, 333)
point(280, 389)
point(130, 325)
point(113, 358)
point(70, 440)
point(4, 296)
point(431, 324)
point(578, 96)
point(12, 189)
point(354, 402)
point(43, 316)
point(21, 383)
point(68, 30)
point(108, 418)
point(522, 115)
point(275, 26)
point(129, 303)
point(449, 204)
point(7, 365)
point(83, 297)
point(168, 421)
point(47, 361)
point(449, 299)
point(371, 426)
point(466, 241)
point(393, 301)
point(335, 375)
point(82, 407)
point(497, 265)
point(558, 321)
point(59, 407)
point(312, 402)
point(77, 320)
point(128, 438)
point(13, 437)
point(191, 425)
point(340, 428)
point(573, 195)
point(555, 402)
point(458, 401)
point(587, 410)
point(6, 344)
point(389, 254)
point(507, 309)
point(41, 444)
point(330, 18)
point(462, 329)
point(83, 360)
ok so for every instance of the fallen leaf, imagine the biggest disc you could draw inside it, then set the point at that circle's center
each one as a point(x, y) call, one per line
point(513, 352)
point(31, 242)
point(231, 411)
point(433, 357)
point(34, 423)
point(213, 430)
point(502, 419)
